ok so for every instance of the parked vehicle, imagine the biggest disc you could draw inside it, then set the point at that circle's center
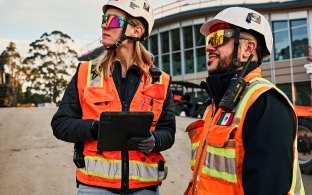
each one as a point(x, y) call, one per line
point(189, 98)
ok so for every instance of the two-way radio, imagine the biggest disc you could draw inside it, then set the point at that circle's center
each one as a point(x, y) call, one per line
point(155, 73)
point(235, 89)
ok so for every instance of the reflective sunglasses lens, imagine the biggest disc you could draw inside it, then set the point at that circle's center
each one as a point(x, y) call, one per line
point(215, 38)
point(218, 38)
point(112, 21)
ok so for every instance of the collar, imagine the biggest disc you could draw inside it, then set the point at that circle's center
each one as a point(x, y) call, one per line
point(133, 69)
point(218, 83)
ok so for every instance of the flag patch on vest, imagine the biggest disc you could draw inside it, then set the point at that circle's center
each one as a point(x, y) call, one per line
point(226, 118)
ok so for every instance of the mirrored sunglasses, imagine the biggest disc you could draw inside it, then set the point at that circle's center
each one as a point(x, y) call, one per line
point(115, 21)
point(219, 37)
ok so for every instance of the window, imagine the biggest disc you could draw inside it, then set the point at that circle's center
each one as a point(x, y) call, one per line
point(164, 41)
point(199, 38)
point(176, 52)
point(281, 40)
point(188, 49)
point(176, 64)
point(297, 36)
point(200, 49)
point(164, 37)
point(303, 93)
point(188, 37)
point(201, 59)
point(189, 61)
point(154, 44)
point(154, 48)
point(166, 63)
point(286, 88)
point(175, 39)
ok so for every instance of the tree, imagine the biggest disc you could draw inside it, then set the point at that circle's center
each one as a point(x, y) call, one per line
point(10, 61)
point(52, 60)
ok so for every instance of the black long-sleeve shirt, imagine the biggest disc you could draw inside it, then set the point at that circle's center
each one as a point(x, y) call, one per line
point(269, 132)
point(68, 125)
point(268, 136)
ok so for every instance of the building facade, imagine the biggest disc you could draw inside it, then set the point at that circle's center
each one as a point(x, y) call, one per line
point(179, 48)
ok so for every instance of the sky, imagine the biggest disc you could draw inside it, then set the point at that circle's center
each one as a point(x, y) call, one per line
point(22, 22)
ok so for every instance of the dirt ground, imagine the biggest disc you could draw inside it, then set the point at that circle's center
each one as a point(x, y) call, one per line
point(34, 162)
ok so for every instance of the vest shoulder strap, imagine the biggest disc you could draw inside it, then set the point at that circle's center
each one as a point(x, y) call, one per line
point(256, 87)
point(88, 76)
point(82, 74)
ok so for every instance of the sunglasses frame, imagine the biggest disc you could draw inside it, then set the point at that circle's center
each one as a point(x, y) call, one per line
point(122, 21)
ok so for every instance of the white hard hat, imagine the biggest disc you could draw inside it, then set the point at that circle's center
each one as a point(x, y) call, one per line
point(245, 18)
point(135, 8)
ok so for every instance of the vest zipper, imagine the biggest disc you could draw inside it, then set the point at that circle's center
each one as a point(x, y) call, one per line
point(124, 153)
point(195, 175)
point(125, 171)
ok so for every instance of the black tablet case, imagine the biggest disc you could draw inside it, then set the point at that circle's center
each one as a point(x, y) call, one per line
point(117, 127)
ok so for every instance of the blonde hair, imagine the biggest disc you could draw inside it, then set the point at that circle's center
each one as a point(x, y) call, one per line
point(142, 57)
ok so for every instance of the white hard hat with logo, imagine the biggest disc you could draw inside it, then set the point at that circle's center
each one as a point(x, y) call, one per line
point(245, 18)
point(135, 8)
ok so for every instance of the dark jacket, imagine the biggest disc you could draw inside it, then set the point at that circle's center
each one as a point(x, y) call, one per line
point(268, 135)
point(67, 123)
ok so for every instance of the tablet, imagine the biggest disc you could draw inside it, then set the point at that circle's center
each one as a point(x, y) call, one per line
point(117, 127)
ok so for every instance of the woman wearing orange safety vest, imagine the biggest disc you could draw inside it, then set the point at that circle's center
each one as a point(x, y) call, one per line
point(120, 80)
point(246, 142)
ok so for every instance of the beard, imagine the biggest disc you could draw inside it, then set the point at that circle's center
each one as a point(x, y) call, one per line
point(224, 65)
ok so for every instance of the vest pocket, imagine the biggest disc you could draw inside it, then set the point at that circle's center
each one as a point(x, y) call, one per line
point(151, 104)
point(97, 98)
point(220, 161)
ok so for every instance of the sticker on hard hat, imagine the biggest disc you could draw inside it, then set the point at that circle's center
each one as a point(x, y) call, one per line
point(253, 17)
point(133, 5)
point(146, 7)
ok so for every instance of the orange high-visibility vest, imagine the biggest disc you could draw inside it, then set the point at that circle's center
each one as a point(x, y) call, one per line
point(218, 151)
point(98, 94)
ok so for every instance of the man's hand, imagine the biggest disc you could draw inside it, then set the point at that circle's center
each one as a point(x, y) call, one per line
point(143, 144)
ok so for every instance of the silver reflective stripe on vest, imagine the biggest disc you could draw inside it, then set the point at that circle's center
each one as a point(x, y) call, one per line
point(194, 152)
point(146, 172)
point(111, 169)
point(220, 163)
point(101, 167)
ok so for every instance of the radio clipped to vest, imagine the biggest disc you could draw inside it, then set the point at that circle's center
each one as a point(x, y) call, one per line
point(155, 73)
point(235, 89)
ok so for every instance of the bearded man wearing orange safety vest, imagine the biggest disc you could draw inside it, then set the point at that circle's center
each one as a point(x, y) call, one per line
point(246, 142)
point(123, 78)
